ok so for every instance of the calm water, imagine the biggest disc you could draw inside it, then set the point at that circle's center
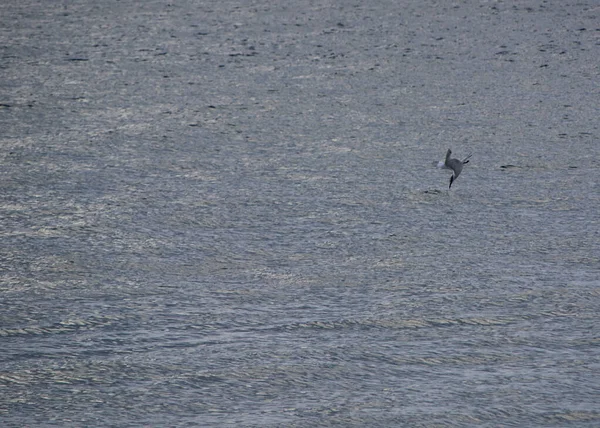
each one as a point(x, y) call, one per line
point(226, 214)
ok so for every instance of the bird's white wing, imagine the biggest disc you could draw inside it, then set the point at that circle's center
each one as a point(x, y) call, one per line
point(440, 164)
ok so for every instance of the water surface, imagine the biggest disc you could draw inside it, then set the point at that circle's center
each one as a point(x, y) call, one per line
point(225, 214)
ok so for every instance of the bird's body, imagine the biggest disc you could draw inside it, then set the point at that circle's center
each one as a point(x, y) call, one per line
point(454, 164)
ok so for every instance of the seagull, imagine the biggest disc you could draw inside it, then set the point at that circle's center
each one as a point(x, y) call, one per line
point(454, 164)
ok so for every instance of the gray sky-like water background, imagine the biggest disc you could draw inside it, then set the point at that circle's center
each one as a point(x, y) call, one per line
point(225, 213)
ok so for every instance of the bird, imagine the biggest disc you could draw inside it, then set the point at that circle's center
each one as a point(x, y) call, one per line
point(454, 164)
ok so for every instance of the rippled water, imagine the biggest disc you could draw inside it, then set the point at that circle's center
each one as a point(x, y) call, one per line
point(220, 213)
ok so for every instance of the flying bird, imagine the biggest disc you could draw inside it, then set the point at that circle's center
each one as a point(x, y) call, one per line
point(454, 164)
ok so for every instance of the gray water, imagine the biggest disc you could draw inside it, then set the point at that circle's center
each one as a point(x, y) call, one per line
point(224, 213)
